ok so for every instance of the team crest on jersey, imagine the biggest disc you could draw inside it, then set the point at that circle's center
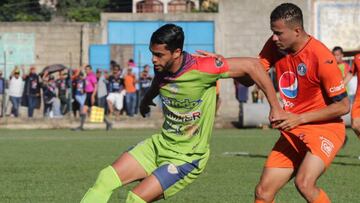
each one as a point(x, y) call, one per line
point(301, 69)
point(218, 63)
point(288, 84)
point(326, 146)
point(172, 169)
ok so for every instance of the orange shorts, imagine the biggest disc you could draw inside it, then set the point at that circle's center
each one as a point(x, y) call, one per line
point(322, 140)
point(355, 109)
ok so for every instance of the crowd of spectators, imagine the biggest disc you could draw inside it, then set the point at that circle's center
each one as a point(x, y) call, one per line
point(118, 90)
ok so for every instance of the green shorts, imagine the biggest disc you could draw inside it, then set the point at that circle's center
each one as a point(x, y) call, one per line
point(173, 170)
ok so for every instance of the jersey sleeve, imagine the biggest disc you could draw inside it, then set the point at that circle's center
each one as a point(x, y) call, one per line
point(331, 78)
point(215, 66)
point(269, 54)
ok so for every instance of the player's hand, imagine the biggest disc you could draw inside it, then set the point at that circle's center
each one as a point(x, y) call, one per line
point(355, 125)
point(202, 53)
point(288, 121)
point(276, 116)
point(145, 107)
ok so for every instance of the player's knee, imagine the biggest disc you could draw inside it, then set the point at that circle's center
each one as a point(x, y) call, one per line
point(134, 198)
point(304, 185)
point(262, 193)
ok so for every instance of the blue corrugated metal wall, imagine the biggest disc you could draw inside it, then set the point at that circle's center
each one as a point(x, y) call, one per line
point(198, 35)
point(99, 56)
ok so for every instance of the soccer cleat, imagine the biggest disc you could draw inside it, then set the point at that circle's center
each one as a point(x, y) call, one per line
point(78, 129)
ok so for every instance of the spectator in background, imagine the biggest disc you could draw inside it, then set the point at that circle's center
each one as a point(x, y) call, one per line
point(75, 73)
point(49, 93)
point(344, 67)
point(62, 85)
point(16, 87)
point(241, 94)
point(91, 87)
point(130, 97)
point(79, 90)
point(2, 91)
point(31, 95)
point(90, 90)
point(102, 91)
point(131, 63)
point(145, 81)
point(116, 90)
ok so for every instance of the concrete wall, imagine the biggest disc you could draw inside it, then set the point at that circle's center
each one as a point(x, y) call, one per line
point(55, 42)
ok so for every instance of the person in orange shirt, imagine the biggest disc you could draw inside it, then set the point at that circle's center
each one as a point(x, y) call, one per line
point(314, 97)
point(343, 66)
point(130, 97)
point(355, 110)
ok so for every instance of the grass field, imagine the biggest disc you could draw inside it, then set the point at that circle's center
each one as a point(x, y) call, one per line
point(60, 165)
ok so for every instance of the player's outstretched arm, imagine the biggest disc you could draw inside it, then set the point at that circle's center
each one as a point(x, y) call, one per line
point(147, 100)
point(246, 66)
point(334, 110)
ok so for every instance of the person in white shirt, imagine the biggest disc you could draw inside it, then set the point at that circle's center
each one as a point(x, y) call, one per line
point(16, 86)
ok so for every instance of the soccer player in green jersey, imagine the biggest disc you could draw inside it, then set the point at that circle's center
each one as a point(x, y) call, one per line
point(168, 161)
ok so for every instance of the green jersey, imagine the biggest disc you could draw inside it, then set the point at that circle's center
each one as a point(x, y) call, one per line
point(188, 101)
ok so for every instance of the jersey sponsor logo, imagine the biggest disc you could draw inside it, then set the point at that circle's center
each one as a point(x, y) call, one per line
point(288, 104)
point(301, 69)
point(326, 146)
point(218, 63)
point(182, 117)
point(186, 103)
point(337, 88)
point(288, 84)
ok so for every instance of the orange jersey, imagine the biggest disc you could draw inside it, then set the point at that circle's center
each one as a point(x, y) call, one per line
point(129, 81)
point(309, 80)
point(355, 69)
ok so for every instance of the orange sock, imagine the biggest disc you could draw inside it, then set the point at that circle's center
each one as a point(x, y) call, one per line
point(322, 198)
point(262, 201)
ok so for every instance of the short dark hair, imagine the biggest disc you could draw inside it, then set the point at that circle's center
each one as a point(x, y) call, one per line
point(288, 12)
point(338, 48)
point(89, 66)
point(117, 66)
point(169, 34)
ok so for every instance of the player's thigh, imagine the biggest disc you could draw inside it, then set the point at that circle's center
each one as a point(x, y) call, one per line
point(149, 189)
point(310, 169)
point(279, 166)
point(137, 163)
point(128, 169)
point(273, 179)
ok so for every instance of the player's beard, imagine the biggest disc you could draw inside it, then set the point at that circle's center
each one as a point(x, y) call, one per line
point(167, 67)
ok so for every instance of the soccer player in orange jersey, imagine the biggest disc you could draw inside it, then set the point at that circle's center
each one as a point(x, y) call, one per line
point(355, 110)
point(314, 95)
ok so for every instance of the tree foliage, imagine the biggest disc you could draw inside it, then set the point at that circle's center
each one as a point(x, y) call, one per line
point(23, 10)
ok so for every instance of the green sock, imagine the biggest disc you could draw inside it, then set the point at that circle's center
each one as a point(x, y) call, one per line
point(107, 181)
point(133, 198)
